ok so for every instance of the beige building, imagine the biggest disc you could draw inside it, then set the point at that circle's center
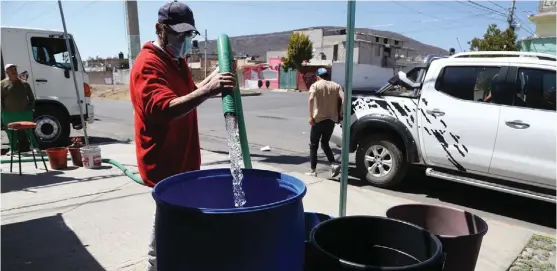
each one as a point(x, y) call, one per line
point(329, 46)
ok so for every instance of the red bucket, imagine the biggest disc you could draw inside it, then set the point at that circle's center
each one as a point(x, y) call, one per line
point(75, 153)
point(58, 157)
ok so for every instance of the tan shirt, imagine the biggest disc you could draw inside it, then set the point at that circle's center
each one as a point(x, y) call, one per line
point(326, 95)
point(17, 96)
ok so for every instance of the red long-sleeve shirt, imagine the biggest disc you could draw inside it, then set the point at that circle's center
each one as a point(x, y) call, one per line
point(164, 146)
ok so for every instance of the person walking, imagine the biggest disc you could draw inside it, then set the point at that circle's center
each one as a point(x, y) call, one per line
point(18, 104)
point(324, 110)
point(165, 99)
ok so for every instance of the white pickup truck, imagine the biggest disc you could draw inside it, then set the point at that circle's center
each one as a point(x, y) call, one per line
point(481, 118)
point(43, 56)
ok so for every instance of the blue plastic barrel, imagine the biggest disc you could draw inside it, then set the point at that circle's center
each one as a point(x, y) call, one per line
point(198, 227)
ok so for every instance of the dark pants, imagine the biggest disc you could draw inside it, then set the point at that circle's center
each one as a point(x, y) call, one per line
point(321, 131)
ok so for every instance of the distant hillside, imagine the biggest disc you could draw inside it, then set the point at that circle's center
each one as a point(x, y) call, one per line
point(261, 43)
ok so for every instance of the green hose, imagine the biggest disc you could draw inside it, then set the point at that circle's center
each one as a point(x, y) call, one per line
point(231, 99)
point(135, 177)
point(225, 65)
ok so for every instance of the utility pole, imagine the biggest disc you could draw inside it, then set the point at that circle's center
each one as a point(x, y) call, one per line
point(205, 57)
point(132, 22)
point(511, 15)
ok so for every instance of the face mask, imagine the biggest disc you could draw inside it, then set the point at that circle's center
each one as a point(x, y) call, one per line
point(175, 45)
point(187, 46)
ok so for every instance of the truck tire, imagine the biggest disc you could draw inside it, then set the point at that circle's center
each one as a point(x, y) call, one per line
point(53, 126)
point(380, 161)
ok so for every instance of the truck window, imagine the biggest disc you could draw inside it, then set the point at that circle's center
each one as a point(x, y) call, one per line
point(53, 52)
point(535, 88)
point(468, 82)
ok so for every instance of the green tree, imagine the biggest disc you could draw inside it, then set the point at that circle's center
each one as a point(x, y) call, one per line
point(495, 40)
point(300, 49)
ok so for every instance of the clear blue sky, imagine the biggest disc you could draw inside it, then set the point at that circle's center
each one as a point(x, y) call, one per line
point(99, 27)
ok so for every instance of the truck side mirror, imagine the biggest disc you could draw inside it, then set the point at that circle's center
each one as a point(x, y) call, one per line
point(409, 83)
point(66, 73)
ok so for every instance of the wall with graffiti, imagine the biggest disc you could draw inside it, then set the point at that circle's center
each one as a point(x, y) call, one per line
point(260, 76)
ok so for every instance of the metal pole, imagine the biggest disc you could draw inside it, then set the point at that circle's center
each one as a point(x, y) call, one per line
point(71, 57)
point(346, 122)
point(205, 57)
point(132, 26)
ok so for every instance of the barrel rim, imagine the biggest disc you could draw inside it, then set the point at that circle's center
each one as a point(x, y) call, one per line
point(295, 185)
point(479, 233)
point(436, 254)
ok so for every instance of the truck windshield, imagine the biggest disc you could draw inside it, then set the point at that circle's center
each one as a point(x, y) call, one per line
point(53, 52)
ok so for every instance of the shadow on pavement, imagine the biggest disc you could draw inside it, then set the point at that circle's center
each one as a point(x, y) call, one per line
point(520, 208)
point(44, 244)
point(14, 182)
point(282, 159)
point(99, 140)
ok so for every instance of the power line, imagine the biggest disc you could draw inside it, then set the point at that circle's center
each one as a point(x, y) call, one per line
point(412, 9)
point(18, 9)
point(437, 20)
point(55, 9)
point(480, 6)
point(504, 8)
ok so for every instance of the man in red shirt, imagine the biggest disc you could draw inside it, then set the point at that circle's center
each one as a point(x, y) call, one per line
point(165, 99)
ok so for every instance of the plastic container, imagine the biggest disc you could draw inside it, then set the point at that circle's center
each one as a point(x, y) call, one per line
point(75, 153)
point(311, 221)
point(198, 227)
point(460, 232)
point(375, 243)
point(91, 156)
point(58, 157)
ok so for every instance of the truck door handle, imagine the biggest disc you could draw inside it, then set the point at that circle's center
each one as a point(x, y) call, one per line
point(517, 124)
point(435, 112)
point(41, 80)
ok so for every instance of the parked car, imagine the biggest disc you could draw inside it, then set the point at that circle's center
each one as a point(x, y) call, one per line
point(480, 118)
point(42, 55)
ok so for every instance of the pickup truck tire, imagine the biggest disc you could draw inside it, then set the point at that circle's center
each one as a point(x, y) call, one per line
point(53, 126)
point(380, 161)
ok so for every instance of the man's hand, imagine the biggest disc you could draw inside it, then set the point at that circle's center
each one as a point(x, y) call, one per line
point(311, 121)
point(220, 82)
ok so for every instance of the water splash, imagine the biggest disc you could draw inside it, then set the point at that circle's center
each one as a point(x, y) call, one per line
point(236, 161)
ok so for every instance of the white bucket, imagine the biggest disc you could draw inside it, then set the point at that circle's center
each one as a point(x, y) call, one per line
point(91, 156)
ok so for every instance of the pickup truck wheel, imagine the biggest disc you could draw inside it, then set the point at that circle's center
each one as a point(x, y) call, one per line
point(53, 126)
point(380, 161)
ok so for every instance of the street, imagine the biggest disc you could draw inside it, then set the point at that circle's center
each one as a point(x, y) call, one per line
point(280, 121)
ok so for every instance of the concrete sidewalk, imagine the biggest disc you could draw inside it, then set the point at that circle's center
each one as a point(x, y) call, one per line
point(80, 219)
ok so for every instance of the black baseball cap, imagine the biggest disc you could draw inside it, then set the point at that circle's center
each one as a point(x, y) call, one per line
point(178, 16)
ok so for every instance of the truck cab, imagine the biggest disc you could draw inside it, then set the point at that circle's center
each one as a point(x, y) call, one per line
point(43, 58)
point(480, 118)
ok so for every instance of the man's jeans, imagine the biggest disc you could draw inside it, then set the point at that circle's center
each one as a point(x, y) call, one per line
point(152, 253)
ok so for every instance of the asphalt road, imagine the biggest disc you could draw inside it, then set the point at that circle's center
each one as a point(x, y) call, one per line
point(279, 120)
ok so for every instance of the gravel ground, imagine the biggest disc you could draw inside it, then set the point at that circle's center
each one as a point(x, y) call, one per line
point(538, 255)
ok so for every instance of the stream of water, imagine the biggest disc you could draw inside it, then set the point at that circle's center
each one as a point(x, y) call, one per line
point(236, 161)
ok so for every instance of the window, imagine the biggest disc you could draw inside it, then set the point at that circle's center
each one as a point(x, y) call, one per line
point(376, 39)
point(470, 83)
point(53, 52)
point(535, 88)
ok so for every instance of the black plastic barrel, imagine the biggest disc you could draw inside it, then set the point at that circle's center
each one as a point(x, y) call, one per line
point(198, 227)
point(312, 220)
point(375, 243)
point(461, 232)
